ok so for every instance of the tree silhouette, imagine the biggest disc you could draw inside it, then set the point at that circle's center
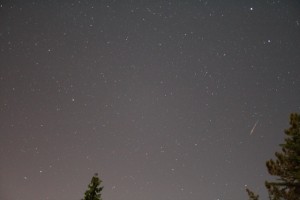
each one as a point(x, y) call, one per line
point(94, 190)
point(286, 166)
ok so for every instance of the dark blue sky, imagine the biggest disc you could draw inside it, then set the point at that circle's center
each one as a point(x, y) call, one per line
point(158, 97)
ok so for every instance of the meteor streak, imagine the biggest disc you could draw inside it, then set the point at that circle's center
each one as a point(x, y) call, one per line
point(253, 128)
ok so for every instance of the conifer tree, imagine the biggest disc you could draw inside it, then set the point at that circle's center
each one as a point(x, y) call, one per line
point(94, 190)
point(286, 166)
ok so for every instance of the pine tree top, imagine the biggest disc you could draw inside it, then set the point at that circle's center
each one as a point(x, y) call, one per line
point(94, 190)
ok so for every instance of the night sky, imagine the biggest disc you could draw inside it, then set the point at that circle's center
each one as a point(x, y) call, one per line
point(166, 100)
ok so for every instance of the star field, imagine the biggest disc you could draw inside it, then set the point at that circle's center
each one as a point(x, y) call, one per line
point(181, 100)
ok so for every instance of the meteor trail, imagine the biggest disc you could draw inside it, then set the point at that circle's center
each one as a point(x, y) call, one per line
point(252, 130)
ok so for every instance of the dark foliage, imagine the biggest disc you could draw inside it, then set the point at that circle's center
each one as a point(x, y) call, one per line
point(286, 166)
point(94, 190)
